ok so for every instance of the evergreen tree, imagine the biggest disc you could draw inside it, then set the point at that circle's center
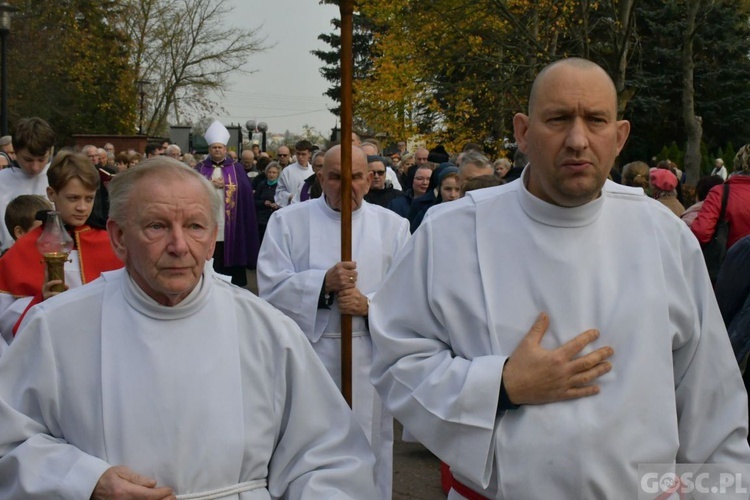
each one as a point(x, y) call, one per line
point(362, 42)
point(74, 70)
point(722, 76)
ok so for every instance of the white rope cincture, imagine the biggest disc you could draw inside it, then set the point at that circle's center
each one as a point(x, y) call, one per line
point(226, 491)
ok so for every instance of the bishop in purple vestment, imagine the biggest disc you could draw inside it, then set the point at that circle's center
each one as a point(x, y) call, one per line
point(237, 245)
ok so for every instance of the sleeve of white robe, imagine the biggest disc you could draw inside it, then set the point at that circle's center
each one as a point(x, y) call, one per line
point(447, 402)
point(293, 292)
point(35, 461)
point(322, 451)
point(712, 427)
point(282, 188)
point(11, 309)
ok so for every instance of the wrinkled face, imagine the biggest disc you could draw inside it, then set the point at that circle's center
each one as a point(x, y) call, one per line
point(175, 153)
point(74, 202)
point(169, 236)
point(102, 157)
point(284, 156)
point(330, 177)
point(272, 173)
point(449, 189)
point(572, 135)
point(420, 157)
point(93, 155)
point(318, 163)
point(217, 151)
point(31, 164)
point(378, 174)
point(303, 157)
point(421, 181)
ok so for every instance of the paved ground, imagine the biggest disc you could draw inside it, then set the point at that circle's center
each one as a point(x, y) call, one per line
point(416, 471)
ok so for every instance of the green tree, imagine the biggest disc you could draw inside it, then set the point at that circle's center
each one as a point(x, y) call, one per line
point(362, 41)
point(729, 154)
point(721, 75)
point(74, 71)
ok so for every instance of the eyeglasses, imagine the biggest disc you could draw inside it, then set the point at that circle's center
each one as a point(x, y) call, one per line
point(282, 154)
point(378, 172)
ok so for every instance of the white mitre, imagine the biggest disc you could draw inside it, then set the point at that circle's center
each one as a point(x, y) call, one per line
point(217, 134)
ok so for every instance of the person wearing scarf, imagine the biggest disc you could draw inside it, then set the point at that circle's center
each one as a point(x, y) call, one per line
point(264, 197)
point(237, 238)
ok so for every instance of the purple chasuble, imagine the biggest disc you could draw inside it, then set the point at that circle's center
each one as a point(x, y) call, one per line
point(240, 226)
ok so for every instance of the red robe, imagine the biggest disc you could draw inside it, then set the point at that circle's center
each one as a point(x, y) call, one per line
point(22, 266)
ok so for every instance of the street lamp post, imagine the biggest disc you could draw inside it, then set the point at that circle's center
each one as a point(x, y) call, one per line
point(5, 11)
point(250, 126)
point(142, 93)
point(263, 127)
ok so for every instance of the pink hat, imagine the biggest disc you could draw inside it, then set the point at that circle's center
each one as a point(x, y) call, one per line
point(663, 179)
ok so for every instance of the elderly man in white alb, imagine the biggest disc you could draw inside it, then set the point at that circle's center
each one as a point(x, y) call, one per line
point(161, 379)
point(299, 272)
point(552, 412)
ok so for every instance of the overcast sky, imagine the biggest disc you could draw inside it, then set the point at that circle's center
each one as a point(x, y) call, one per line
point(287, 89)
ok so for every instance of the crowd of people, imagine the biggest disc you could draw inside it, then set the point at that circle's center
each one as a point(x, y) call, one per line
point(544, 324)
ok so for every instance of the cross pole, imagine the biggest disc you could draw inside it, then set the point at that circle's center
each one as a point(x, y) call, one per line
point(347, 62)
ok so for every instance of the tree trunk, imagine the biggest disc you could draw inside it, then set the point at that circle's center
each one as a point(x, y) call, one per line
point(623, 30)
point(693, 125)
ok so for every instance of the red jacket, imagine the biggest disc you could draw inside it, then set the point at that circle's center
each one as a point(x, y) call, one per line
point(738, 211)
point(22, 266)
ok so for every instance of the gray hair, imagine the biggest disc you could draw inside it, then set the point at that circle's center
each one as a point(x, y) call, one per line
point(273, 164)
point(319, 152)
point(477, 159)
point(160, 167)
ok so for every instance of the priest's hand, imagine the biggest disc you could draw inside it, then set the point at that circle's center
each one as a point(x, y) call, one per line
point(342, 276)
point(120, 482)
point(535, 375)
point(352, 302)
point(46, 289)
point(218, 182)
